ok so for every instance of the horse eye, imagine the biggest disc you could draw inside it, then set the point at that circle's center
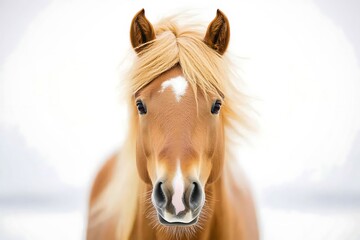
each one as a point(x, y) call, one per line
point(141, 107)
point(215, 108)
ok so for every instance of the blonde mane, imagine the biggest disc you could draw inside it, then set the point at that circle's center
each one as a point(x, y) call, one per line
point(205, 70)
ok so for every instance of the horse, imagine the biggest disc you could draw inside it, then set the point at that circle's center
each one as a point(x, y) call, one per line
point(176, 176)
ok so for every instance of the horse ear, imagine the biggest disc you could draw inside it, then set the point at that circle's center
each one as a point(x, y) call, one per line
point(218, 33)
point(141, 31)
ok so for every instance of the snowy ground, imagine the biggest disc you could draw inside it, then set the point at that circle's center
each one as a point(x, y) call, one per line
point(19, 224)
point(327, 224)
point(56, 223)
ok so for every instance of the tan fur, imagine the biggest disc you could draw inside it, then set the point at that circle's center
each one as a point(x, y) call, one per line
point(120, 206)
point(102, 179)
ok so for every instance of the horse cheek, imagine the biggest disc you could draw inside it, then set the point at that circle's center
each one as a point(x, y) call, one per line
point(141, 163)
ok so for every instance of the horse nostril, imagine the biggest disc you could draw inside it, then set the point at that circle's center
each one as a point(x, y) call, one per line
point(195, 195)
point(159, 195)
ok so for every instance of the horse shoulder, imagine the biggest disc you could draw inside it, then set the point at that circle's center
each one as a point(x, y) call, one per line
point(102, 178)
point(242, 202)
point(102, 230)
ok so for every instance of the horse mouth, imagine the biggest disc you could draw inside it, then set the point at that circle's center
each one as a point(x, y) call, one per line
point(166, 223)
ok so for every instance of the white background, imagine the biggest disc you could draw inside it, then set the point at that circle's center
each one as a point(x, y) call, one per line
point(61, 113)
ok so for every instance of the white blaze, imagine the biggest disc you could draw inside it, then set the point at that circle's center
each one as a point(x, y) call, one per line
point(178, 85)
point(178, 187)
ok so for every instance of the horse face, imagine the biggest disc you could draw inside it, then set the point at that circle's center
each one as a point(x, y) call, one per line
point(179, 145)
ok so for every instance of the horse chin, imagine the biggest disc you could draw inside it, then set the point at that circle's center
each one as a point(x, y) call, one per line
point(177, 223)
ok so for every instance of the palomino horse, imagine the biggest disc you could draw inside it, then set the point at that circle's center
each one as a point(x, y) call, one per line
point(176, 178)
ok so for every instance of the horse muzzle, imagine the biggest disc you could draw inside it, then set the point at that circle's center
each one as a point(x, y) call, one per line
point(177, 204)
